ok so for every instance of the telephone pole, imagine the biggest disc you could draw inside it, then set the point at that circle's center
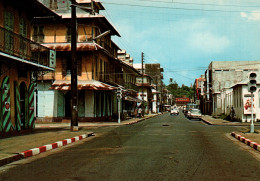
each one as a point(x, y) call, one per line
point(142, 83)
point(74, 70)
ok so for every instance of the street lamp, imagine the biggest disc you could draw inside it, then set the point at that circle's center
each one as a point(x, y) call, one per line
point(119, 97)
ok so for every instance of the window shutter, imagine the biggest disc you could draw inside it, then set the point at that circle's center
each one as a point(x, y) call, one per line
point(64, 67)
point(79, 62)
point(41, 34)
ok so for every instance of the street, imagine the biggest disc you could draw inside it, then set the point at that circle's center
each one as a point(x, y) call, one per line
point(161, 148)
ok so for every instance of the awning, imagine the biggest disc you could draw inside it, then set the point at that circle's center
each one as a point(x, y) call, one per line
point(82, 85)
point(81, 46)
point(129, 98)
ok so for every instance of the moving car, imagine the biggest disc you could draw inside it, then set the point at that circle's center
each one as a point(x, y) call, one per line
point(194, 114)
point(174, 110)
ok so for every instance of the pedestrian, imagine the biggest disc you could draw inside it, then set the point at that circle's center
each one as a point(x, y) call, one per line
point(139, 112)
point(232, 113)
point(135, 112)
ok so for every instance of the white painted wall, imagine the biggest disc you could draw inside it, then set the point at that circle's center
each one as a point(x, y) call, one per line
point(89, 103)
point(240, 109)
point(46, 106)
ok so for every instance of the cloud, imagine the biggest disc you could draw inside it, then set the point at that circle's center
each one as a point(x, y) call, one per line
point(254, 15)
point(209, 42)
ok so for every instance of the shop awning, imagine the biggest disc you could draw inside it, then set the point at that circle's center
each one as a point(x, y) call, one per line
point(82, 85)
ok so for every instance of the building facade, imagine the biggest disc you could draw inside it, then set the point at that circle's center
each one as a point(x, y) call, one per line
point(220, 76)
point(20, 61)
point(99, 71)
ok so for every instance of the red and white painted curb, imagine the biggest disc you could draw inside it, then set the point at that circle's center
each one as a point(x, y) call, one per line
point(248, 142)
point(36, 151)
point(42, 149)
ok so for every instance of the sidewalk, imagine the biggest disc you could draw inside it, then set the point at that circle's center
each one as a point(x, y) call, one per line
point(50, 136)
point(251, 139)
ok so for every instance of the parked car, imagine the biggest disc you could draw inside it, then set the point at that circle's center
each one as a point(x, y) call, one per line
point(194, 114)
point(174, 111)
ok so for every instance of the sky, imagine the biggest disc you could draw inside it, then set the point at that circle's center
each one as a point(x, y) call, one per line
point(184, 36)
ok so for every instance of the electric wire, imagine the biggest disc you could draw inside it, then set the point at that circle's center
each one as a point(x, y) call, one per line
point(176, 8)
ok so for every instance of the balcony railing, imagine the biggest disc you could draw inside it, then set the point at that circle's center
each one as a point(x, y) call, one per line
point(132, 86)
point(18, 46)
point(107, 47)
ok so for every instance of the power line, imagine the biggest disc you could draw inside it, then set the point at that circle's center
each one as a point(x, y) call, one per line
point(122, 40)
point(176, 8)
point(201, 4)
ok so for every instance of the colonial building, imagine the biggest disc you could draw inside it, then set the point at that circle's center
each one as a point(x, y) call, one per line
point(20, 60)
point(145, 91)
point(130, 99)
point(100, 73)
point(222, 75)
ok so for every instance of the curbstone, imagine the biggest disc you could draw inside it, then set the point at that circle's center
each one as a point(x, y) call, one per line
point(36, 151)
point(248, 142)
point(207, 122)
point(41, 149)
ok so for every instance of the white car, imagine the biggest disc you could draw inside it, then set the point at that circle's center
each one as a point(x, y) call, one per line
point(174, 111)
point(194, 114)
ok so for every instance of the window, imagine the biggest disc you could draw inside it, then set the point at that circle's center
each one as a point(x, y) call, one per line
point(23, 33)
point(96, 69)
point(9, 25)
point(53, 4)
point(66, 65)
point(68, 34)
point(38, 34)
point(101, 70)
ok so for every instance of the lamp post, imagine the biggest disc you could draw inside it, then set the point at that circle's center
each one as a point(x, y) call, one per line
point(119, 97)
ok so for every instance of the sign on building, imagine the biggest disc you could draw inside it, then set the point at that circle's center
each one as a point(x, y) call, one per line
point(247, 105)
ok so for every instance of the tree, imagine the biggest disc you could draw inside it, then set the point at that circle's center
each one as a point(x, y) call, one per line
point(183, 91)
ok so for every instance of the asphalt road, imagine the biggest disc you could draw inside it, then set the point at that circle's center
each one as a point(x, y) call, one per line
point(162, 148)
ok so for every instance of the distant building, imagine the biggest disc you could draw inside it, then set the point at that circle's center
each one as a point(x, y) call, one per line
point(181, 101)
point(156, 73)
point(199, 91)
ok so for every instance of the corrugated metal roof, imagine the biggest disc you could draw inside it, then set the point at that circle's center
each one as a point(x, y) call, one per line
point(82, 85)
point(80, 46)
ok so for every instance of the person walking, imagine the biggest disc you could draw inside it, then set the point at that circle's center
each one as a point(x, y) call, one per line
point(232, 113)
point(139, 112)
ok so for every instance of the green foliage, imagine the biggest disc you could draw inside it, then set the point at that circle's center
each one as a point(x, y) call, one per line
point(182, 91)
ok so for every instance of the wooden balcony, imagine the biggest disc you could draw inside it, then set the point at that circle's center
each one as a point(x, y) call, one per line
point(111, 49)
point(16, 45)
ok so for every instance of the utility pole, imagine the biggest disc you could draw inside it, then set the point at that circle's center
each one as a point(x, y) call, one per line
point(142, 83)
point(74, 69)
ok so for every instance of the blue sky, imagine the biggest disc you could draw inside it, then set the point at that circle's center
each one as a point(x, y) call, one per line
point(184, 36)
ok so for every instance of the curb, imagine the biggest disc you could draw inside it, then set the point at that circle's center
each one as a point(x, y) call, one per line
point(141, 120)
point(207, 122)
point(41, 149)
point(248, 142)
